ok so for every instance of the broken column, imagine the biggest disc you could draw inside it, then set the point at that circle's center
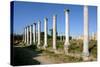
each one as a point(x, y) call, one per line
point(31, 34)
point(66, 44)
point(45, 32)
point(54, 32)
point(85, 45)
point(34, 33)
point(39, 30)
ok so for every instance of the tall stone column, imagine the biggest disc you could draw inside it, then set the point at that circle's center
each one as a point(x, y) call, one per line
point(39, 30)
point(31, 34)
point(66, 44)
point(85, 45)
point(27, 35)
point(45, 32)
point(34, 33)
point(36, 36)
point(23, 36)
point(54, 32)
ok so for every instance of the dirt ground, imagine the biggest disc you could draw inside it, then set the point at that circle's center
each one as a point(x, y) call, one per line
point(25, 56)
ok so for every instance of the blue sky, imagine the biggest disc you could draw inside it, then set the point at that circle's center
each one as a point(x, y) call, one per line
point(26, 13)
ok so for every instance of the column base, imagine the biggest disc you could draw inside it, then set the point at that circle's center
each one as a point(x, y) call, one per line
point(45, 46)
point(34, 43)
point(27, 45)
point(66, 47)
point(38, 46)
point(85, 56)
point(55, 51)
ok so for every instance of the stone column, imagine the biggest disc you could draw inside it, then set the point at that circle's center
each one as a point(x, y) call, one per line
point(66, 44)
point(36, 36)
point(39, 30)
point(54, 32)
point(45, 32)
point(27, 35)
point(23, 36)
point(31, 34)
point(34, 33)
point(85, 45)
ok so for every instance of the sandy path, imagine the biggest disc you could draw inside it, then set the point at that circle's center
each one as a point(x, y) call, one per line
point(25, 56)
point(43, 59)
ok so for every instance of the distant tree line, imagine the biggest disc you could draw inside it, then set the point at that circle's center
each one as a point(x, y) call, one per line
point(50, 36)
point(19, 37)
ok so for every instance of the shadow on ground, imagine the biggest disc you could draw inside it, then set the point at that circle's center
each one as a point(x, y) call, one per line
point(24, 56)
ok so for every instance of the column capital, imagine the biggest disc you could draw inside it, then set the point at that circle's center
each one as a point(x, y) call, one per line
point(39, 21)
point(25, 27)
point(34, 23)
point(31, 25)
point(54, 15)
point(28, 26)
point(45, 18)
point(66, 10)
point(85, 5)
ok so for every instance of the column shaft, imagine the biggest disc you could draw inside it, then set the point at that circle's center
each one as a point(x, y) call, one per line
point(39, 30)
point(45, 32)
point(34, 33)
point(66, 31)
point(54, 32)
point(85, 45)
point(27, 35)
point(24, 36)
point(31, 34)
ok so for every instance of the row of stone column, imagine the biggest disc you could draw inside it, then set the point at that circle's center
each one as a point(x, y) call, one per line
point(30, 34)
point(85, 40)
point(66, 44)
